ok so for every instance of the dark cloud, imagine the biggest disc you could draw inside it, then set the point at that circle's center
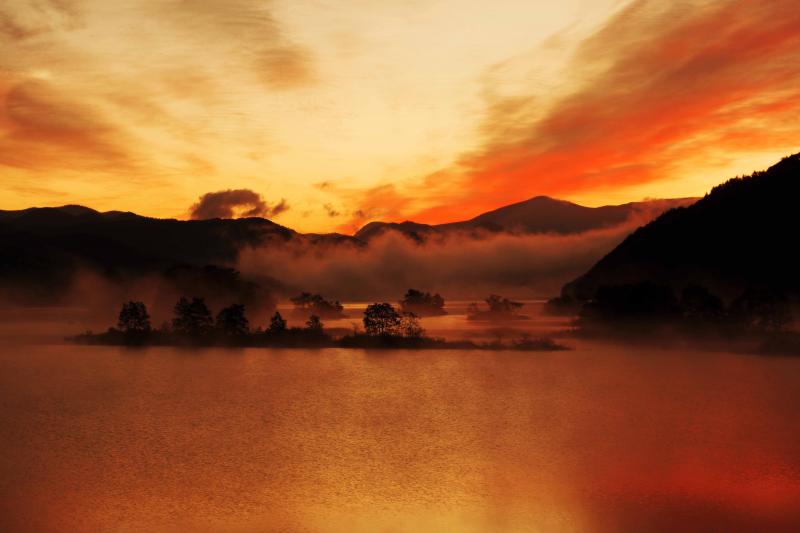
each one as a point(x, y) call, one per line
point(235, 203)
point(278, 208)
point(332, 212)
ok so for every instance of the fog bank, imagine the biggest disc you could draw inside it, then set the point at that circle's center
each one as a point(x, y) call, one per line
point(457, 266)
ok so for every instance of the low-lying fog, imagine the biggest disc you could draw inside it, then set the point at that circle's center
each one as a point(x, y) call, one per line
point(457, 266)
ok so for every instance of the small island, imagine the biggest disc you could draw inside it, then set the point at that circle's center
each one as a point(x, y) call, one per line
point(193, 324)
point(499, 309)
point(422, 303)
point(307, 305)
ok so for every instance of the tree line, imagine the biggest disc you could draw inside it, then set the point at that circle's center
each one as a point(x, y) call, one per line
point(756, 309)
point(193, 320)
point(384, 325)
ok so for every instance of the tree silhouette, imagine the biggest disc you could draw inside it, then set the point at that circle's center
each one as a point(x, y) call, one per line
point(762, 308)
point(499, 309)
point(502, 306)
point(700, 305)
point(232, 322)
point(381, 319)
point(133, 318)
point(422, 303)
point(410, 326)
point(317, 305)
point(277, 324)
point(192, 318)
point(314, 324)
point(645, 301)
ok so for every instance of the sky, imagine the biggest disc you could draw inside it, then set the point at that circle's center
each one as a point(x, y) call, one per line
point(324, 115)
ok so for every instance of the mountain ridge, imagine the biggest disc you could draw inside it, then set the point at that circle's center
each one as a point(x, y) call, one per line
point(540, 214)
point(42, 248)
point(737, 236)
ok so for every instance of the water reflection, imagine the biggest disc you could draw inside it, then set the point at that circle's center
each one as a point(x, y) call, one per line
point(602, 438)
point(454, 325)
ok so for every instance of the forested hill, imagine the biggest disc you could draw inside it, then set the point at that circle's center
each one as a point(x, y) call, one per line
point(744, 233)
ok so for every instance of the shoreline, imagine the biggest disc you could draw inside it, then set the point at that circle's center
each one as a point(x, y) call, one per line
point(300, 339)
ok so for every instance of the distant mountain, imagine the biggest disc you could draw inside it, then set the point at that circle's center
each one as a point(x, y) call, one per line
point(42, 248)
point(743, 234)
point(115, 238)
point(537, 215)
point(413, 230)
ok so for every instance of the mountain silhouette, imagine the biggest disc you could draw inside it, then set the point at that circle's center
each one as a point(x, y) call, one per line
point(541, 214)
point(42, 248)
point(742, 234)
point(120, 236)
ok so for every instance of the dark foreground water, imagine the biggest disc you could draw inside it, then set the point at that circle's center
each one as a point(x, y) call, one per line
point(602, 438)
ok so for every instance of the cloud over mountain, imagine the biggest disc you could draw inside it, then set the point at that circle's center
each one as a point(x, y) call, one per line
point(235, 203)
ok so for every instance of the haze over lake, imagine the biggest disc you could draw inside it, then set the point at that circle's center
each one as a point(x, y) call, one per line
point(385, 267)
point(599, 438)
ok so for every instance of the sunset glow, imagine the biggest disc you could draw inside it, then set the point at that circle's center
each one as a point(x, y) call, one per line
point(353, 111)
point(409, 266)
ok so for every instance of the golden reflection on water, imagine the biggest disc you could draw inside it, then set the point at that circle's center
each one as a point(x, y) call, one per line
point(602, 438)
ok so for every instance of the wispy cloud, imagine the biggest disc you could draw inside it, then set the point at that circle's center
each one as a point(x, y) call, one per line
point(658, 88)
point(285, 67)
point(159, 108)
point(383, 202)
point(20, 19)
point(330, 210)
point(46, 129)
point(145, 104)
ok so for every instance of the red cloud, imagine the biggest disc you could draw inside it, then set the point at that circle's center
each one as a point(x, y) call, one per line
point(667, 85)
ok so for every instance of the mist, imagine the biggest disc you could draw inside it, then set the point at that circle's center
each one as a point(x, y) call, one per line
point(466, 266)
point(457, 266)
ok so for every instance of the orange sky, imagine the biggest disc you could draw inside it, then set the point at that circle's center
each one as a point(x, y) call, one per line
point(337, 113)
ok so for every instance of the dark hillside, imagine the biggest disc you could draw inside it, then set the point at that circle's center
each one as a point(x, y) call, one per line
point(744, 233)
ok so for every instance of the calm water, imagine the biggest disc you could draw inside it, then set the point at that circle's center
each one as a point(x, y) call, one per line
point(601, 438)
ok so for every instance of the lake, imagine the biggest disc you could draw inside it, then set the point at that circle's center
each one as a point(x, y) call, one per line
point(601, 438)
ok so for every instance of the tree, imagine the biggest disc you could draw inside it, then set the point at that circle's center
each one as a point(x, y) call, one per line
point(700, 304)
point(314, 324)
point(133, 318)
point(232, 322)
point(277, 324)
point(422, 303)
point(317, 305)
point(639, 302)
point(502, 306)
point(761, 308)
point(499, 309)
point(192, 318)
point(381, 319)
point(410, 326)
